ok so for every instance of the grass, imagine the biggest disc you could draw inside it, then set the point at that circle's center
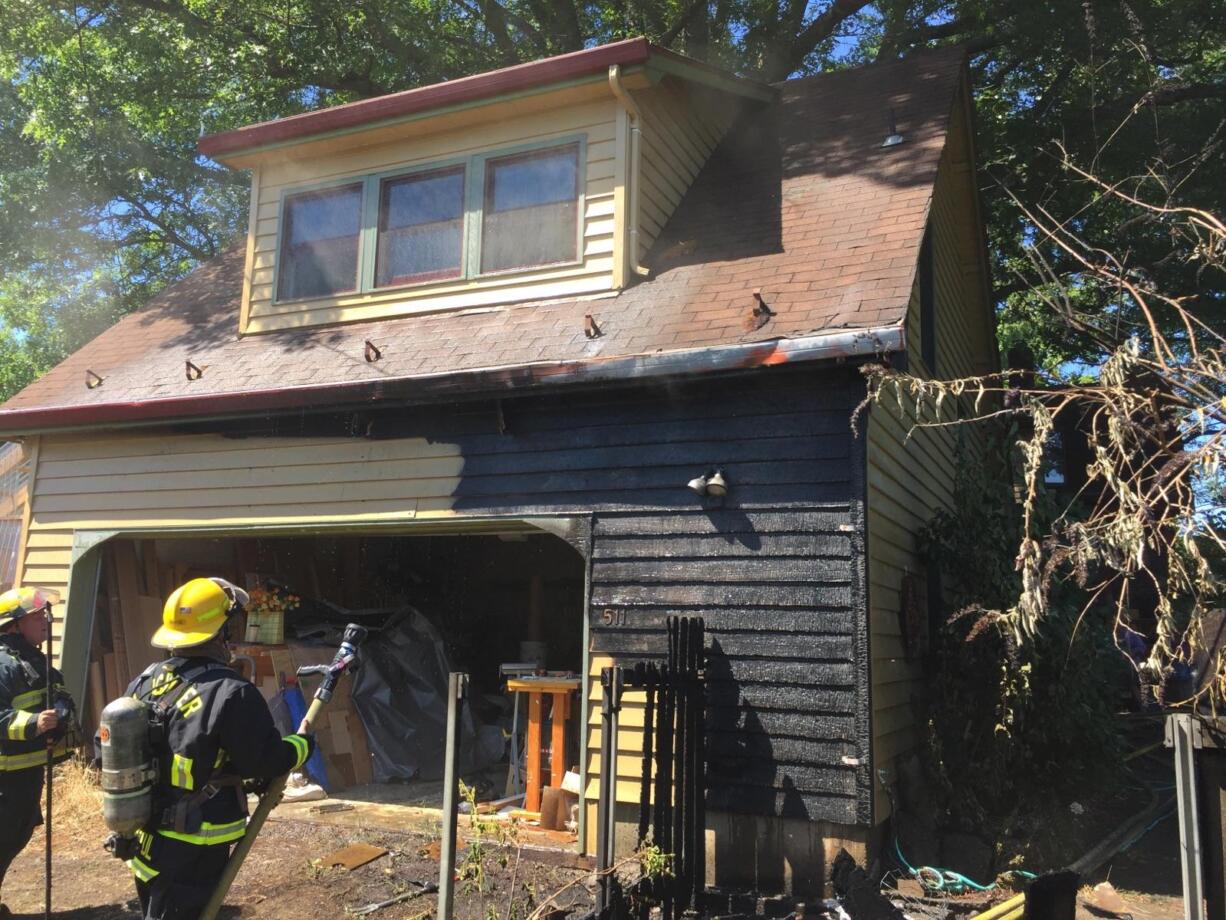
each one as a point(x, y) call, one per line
point(76, 800)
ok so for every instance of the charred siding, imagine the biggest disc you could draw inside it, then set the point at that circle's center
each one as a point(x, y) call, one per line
point(777, 572)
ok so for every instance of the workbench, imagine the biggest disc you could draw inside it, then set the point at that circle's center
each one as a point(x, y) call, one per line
point(560, 690)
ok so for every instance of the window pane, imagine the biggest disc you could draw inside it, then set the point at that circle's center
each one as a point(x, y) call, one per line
point(421, 227)
point(319, 249)
point(531, 210)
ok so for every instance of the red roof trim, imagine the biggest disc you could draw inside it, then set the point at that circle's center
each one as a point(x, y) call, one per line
point(841, 345)
point(452, 92)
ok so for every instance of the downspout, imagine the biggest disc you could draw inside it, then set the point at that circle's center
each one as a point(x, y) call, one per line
point(632, 193)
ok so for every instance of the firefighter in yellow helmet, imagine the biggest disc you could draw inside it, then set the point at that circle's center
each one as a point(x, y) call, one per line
point(25, 721)
point(214, 731)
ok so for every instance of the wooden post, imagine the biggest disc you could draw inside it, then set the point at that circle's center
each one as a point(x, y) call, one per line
point(557, 744)
point(532, 799)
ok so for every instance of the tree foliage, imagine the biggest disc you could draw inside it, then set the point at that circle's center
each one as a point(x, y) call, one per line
point(103, 199)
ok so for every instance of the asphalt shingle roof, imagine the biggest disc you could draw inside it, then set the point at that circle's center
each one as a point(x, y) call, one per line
point(800, 202)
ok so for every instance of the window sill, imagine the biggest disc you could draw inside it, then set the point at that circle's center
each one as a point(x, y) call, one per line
point(428, 286)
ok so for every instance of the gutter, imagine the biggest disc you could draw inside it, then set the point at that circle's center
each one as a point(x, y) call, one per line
point(851, 343)
point(636, 159)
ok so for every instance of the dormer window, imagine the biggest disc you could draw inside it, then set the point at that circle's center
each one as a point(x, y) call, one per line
point(421, 228)
point(319, 243)
point(531, 213)
point(491, 214)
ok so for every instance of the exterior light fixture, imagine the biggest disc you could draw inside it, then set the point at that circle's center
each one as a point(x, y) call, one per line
point(712, 484)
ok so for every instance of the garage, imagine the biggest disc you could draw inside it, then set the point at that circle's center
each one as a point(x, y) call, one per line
point(499, 601)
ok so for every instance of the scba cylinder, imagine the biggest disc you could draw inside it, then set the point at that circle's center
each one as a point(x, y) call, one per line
point(127, 766)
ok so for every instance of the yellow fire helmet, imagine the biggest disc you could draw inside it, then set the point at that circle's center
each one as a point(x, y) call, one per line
point(196, 612)
point(17, 602)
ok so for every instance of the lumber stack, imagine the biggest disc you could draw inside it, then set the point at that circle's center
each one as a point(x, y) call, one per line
point(129, 610)
point(339, 732)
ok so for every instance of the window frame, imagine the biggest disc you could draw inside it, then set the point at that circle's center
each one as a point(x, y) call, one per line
point(316, 189)
point(530, 153)
point(474, 201)
point(374, 203)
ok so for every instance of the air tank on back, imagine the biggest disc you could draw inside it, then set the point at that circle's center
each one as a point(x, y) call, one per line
point(127, 766)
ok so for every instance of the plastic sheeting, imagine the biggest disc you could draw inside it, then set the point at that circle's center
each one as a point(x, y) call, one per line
point(400, 693)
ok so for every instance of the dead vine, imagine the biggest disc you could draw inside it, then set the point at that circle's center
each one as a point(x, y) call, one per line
point(1143, 535)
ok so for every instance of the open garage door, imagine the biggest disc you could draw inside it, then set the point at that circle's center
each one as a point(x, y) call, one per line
point(434, 602)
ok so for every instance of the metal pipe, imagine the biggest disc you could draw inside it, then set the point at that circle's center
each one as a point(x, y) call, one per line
point(457, 691)
point(607, 789)
point(618, 677)
point(632, 182)
point(1182, 733)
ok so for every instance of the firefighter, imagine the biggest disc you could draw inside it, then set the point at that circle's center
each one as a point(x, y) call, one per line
point(26, 723)
point(214, 731)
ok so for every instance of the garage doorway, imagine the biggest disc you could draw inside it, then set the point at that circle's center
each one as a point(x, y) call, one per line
point(469, 601)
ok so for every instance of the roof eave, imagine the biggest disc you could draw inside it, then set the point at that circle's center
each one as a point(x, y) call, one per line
point(484, 87)
point(832, 346)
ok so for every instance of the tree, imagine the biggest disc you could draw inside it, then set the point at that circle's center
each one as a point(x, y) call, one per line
point(105, 200)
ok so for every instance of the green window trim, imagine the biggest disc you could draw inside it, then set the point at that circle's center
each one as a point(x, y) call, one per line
point(474, 197)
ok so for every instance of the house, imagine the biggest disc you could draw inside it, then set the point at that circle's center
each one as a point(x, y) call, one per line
point(484, 333)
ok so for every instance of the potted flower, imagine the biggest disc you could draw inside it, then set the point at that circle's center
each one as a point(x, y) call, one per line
point(266, 614)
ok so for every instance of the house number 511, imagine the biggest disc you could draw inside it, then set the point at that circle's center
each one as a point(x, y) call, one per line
point(611, 617)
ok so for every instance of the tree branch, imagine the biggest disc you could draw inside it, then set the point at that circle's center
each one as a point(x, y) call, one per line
point(813, 35)
point(1173, 92)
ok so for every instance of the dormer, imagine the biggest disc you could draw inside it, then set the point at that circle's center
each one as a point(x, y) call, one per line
point(542, 181)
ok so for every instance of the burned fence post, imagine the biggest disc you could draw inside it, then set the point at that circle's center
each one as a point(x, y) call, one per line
point(679, 636)
point(611, 681)
point(650, 676)
point(700, 763)
point(648, 679)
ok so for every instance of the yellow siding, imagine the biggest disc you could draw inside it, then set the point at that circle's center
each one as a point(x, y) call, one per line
point(150, 481)
point(594, 275)
point(909, 478)
point(629, 736)
point(681, 126)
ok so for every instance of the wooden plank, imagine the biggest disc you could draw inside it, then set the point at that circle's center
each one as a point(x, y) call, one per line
point(750, 569)
point(126, 623)
point(559, 715)
point(771, 623)
point(748, 645)
point(363, 769)
point(722, 523)
point(704, 596)
point(97, 693)
point(152, 578)
point(110, 676)
point(723, 546)
point(139, 629)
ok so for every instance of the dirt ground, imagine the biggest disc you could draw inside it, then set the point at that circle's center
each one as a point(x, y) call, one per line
point(280, 880)
point(283, 876)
